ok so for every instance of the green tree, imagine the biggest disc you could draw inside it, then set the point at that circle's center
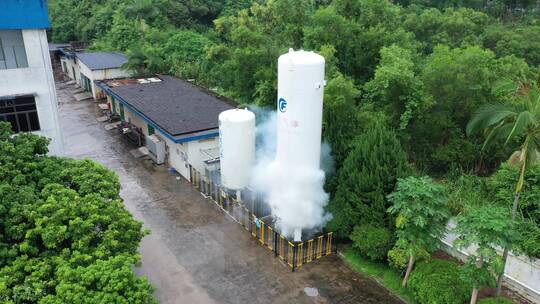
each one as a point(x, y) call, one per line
point(341, 122)
point(458, 82)
point(421, 212)
point(63, 223)
point(396, 87)
point(515, 121)
point(124, 33)
point(488, 227)
point(368, 175)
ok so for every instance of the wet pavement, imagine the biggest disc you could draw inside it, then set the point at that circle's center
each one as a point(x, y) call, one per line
point(195, 253)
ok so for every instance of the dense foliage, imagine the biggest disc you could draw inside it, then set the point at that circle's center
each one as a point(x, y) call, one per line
point(502, 185)
point(65, 236)
point(372, 241)
point(368, 175)
point(439, 282)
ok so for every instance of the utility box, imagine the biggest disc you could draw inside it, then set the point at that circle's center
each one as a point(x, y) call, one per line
point(156, 149)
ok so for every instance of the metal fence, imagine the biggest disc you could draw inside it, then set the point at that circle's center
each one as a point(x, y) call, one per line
point(251, 213)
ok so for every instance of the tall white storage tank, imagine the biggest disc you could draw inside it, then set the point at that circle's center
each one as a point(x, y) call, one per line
point(237, 147)
point(300, 107)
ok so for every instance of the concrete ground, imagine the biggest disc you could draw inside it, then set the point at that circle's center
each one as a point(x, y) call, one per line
point(195, 253)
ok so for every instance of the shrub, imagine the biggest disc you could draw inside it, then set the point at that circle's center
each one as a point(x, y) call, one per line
point(499, 300)
point(439, 282)
point(529, 238)
point(372, 241)
point(503, 185)
point(465, 191)
point(398, 257)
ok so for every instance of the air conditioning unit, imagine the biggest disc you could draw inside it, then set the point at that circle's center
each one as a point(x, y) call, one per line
point(156, 149)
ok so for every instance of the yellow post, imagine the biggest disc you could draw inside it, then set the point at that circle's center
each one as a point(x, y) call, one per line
point(319, 247)
point(290, 254)
point(270, 238)
point(262, 232)
point(253, 229)
point(300, 256)
point(329, 244)
point(309, 257)
point(281, 246)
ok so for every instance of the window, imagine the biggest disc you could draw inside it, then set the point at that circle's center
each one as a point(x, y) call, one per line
point(12, 51)
point(21, 112)
point(151, 130)
point(85, 82)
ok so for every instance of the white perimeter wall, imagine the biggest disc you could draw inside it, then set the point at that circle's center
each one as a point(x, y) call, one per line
point(37, 79)
point(521, 273)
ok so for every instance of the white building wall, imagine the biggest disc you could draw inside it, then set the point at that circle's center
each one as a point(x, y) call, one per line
point(37, 79)
point(195, 157)
point(101, 75)
point(176, 154)
point(71, 65)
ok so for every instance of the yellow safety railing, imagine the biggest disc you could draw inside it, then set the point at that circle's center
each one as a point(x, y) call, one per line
point(293, 254)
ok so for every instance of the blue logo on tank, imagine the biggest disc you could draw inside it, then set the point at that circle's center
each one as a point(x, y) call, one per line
point(282, 105)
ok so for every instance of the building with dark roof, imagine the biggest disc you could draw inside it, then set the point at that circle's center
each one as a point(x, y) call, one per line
point(102, 60)
point(182, 114)
point(86, 67)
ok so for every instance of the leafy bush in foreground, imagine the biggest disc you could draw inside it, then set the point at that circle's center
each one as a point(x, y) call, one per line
point(65, 236)
point(399, 257)
point(439, 282)
point(372, 241)
point(529, 238)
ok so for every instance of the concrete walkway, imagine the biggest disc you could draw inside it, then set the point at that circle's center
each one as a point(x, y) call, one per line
point(195, 254)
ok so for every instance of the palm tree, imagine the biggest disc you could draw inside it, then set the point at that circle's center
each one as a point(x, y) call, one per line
point(517, 120)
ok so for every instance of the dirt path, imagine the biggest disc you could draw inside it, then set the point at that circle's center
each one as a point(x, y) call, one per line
point(196, 254)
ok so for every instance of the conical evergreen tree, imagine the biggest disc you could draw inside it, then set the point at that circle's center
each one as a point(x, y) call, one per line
point(368, 175)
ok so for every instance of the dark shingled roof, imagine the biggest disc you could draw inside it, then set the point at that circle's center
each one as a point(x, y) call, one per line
point(175, 105)
point(102, 60)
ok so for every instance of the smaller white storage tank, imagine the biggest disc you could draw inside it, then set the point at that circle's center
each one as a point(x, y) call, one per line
point(237, 147)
